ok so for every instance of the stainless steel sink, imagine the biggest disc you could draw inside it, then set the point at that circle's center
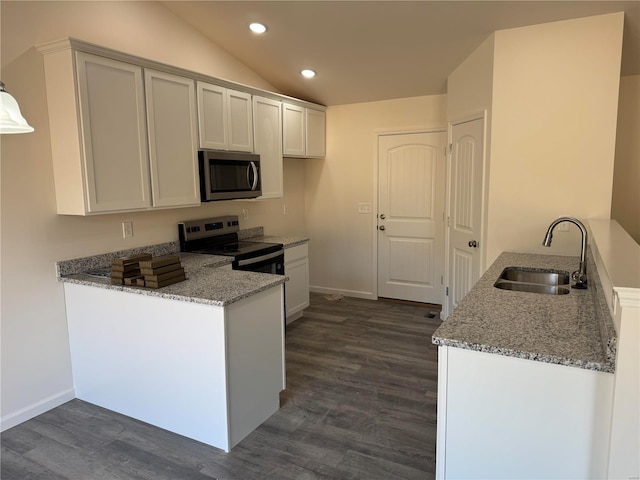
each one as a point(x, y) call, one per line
point(531, 288)
point(534, 275)
point(534, 280)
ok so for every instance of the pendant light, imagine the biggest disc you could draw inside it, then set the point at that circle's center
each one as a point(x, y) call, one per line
point(11, 120)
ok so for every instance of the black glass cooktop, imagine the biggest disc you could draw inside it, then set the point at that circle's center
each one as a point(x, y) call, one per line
point(241, 248)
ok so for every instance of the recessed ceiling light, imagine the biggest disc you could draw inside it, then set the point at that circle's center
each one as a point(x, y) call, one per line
point(308, 73)
point(257, 28)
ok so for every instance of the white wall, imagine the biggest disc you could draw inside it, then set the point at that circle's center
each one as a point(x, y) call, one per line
point(36, 370)
point(625, 205)
point(341, 251)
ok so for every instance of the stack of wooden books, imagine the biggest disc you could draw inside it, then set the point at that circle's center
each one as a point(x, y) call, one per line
point(162, 271)
point(126, 270)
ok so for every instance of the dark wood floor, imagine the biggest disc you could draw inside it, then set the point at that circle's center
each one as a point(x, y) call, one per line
point(360, 404)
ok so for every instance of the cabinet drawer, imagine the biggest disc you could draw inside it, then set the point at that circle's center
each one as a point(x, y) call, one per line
point(295, 253)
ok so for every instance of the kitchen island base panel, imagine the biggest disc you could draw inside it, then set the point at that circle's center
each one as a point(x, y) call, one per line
point(166, 362)
point(506, 417)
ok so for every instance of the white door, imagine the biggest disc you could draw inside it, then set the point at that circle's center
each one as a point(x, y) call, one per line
point(465, 209)
point(411, 181)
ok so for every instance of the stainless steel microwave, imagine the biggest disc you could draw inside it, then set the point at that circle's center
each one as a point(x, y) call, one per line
point(228, 175)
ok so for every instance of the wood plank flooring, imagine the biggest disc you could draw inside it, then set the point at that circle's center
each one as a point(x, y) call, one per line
point(360, 403)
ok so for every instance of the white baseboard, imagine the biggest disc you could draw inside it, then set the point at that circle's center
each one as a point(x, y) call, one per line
point(294, 316)
point(346, 293)
point(35, 409)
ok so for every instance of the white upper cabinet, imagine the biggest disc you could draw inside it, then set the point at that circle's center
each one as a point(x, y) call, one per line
point(173, 150)
point(267, 127)
point(98, 133)
point(112, 118)
point(303, 131)
point(224, 118)
point(293, 126)
point(125, 130)
point(315, 133)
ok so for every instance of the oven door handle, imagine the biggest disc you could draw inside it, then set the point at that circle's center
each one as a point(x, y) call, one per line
point(252, 168)
point(249, 261)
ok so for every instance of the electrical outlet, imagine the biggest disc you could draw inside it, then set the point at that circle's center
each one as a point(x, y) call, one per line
point(127, 229)
point(245, 213)
point(364, 208)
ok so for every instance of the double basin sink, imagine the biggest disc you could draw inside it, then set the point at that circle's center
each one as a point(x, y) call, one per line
point(534, 280)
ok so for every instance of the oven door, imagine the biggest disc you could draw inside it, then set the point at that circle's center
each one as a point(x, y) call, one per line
point(268, 263)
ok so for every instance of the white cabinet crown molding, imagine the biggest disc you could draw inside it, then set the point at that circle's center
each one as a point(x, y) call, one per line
point(82, 46)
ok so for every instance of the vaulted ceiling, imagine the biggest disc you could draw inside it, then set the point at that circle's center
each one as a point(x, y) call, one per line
point(376, 50)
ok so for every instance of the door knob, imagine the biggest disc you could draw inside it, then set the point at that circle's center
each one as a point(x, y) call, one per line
point(382, 227)
point(382, 216)
point(473, 244)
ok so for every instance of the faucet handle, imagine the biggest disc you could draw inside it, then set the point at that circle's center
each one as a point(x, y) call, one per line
point(581, 280)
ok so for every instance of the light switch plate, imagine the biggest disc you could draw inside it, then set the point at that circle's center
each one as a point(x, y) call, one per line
point(364, 208)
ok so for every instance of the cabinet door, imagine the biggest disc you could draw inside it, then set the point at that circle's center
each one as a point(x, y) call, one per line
point(240, 121)
point(114, 134)
point(296, 267)
point(212, 116)
point(315, 133)
point(171, 112)
point(267, 120)
point(293, 125)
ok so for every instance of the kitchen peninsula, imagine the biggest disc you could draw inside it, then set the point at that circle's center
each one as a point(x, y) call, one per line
point(525, 379)
point(203, 358)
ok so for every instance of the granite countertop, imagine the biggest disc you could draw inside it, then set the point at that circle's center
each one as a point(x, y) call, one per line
point(574, 330)
point(205, 283)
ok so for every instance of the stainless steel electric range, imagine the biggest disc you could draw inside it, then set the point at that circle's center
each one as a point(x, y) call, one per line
point(219, 236)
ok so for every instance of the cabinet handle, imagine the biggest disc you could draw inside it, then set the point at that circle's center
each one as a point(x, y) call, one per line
point(473, 244)
point(382, 227)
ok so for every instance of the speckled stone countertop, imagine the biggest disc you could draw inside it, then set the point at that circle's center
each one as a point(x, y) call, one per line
point(573, 330)
point(205, 283)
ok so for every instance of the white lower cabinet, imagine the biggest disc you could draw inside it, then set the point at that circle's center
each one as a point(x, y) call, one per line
point(209, 373)
point(504, 417)
point(296, 267)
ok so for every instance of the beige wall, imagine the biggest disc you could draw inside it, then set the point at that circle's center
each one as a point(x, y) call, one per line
point(550, 92)
point(35, 353)
point(469, 94)
point(625, 205)
point(342, 240)
point(554, 112)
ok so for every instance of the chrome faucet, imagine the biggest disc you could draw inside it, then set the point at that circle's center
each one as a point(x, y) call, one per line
point(580, 275)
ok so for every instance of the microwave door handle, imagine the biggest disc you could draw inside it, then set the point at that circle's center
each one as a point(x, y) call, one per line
point(254, 185)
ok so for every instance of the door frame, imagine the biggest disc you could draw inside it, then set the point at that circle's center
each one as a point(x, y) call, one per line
point(479, 115)
point(374, 218)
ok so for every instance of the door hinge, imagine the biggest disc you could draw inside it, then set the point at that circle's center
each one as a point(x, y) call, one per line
point(450, 147)
point(441, 279)
point(446, 293)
